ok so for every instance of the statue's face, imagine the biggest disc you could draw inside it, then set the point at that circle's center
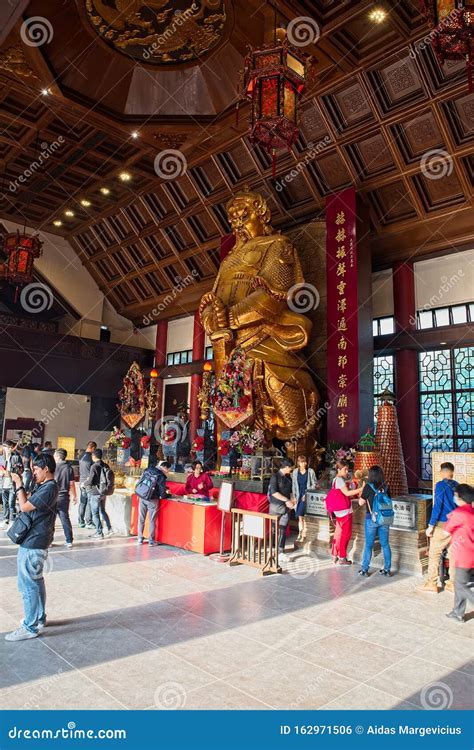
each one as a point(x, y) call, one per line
point(244, 219)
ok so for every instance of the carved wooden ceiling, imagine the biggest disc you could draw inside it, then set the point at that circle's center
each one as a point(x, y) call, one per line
point(380, 113)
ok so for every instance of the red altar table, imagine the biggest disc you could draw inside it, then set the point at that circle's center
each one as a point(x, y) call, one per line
point(195, 527)
point(191, 526)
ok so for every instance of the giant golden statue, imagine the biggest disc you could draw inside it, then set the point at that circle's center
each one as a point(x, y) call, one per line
point(248, 310)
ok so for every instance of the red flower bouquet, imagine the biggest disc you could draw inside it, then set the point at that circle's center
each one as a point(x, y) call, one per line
point(126, 443)
point(198, 444)
point(145, 442)
point(224, 447)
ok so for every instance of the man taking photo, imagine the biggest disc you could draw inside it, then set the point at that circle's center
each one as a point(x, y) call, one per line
point(33, 549)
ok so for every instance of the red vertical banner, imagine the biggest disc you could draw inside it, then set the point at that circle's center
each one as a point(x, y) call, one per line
point(342, 318)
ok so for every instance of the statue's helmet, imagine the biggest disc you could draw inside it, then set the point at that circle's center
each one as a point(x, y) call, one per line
point(255, 201)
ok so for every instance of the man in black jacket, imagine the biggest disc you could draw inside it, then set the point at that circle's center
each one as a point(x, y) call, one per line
point(95, 498)
point(33, 551)
point(64, 477)
point(151, 506)
point(281, 500)
point(84, 515)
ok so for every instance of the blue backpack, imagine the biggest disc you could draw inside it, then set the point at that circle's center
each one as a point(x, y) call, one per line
point(381, 513)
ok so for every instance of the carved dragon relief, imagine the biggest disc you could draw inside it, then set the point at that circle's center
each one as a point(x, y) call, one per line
point(159, 31)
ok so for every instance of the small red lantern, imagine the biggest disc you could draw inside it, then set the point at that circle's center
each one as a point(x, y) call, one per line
point(21, 250)
point(153, 373)
point(453, 36)
point(273, 81)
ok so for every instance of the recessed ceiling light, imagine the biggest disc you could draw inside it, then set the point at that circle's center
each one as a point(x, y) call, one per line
point(125, 176)
point(57, 223)
point(45, 92)
point(69, 212)
point(85, 203)
point(378, 15)
point(105, 190)
point(443, 343)
point(135, 134)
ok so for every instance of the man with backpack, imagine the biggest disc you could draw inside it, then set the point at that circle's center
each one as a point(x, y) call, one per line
point(443, 504)
point(98, 485)
point(84, 515)
point(151, 487)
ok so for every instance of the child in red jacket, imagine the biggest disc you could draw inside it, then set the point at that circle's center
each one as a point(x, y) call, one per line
point(460, 525)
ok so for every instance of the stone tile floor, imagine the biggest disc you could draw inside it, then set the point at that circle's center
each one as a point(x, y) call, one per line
point(156, 628)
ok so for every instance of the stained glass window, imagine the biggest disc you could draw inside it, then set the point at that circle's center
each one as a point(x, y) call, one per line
point(383, 378)
point(446, 403)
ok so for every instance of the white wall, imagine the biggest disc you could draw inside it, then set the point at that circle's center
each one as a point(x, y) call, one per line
point(63, 414)
point(180, 334)
point(445, 281)
point(62, 268)
point(382, 294)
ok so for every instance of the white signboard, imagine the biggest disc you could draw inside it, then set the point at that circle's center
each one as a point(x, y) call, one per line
point(315, 505)
point(253, 526)
point(405, 513)
point(226, 496)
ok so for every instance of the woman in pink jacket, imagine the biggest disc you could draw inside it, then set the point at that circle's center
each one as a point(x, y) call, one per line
point(460, 525)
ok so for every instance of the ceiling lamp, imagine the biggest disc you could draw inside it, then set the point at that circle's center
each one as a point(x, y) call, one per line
point(273, 81)
point(125, 176)
point(453, 36)
point(21, 251)
point(105, 190)
point(378, 15)
point(153, 373)
point(85, 203)
point(69, 213)
point(57, 223)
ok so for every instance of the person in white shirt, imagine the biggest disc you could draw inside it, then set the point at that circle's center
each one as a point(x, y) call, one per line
point(343, 518)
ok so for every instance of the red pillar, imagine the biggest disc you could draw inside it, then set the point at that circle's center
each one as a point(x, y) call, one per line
point(406, 371)
point(196, 378)
point(160, 360)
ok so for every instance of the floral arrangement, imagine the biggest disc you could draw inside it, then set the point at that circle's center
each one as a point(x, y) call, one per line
point(224, 447)
point(132, 396)
point(126, 443)
point(232, 394)
point(116, 438)
point(246, 440)
point(198, 444)
point(170, 435)
point(337, 452)
point(145, 442)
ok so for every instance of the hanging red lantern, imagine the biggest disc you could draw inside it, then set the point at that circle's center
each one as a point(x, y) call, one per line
point(273, 81)
point(453, 36)
point(21, 250)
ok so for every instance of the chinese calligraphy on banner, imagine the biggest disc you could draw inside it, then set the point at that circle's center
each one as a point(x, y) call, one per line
point(342, 318)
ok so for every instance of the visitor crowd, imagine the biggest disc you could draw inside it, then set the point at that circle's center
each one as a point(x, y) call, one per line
point(37, 485)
